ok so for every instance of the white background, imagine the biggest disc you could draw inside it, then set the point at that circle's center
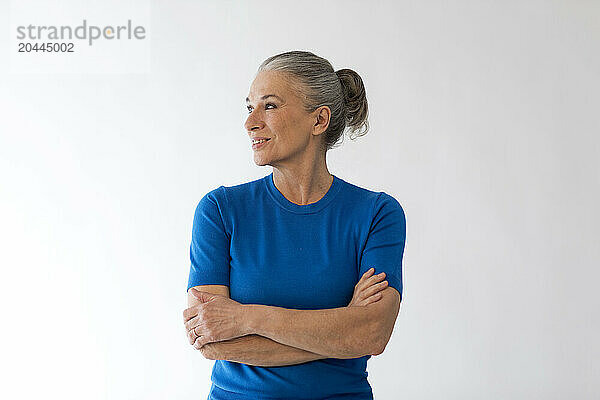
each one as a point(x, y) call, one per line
point(484, 126)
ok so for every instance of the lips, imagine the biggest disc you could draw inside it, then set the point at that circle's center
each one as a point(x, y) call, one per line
point(259, 145)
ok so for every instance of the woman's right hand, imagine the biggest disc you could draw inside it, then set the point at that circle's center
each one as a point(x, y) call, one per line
point(368, 289)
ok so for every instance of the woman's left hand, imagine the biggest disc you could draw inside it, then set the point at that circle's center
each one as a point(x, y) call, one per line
point(215, 319)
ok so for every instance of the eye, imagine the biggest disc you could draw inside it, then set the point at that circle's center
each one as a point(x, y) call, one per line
point(266, 105)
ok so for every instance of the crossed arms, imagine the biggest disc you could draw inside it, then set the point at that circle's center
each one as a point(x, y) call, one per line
point(222, 329)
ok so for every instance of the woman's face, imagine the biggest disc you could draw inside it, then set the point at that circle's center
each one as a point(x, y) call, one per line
point(281, 118)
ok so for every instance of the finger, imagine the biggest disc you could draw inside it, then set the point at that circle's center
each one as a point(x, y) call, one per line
point(361, 286)
point(200, 341)
point(364, 277)
point(192, 323)
point(192, 336)
point(368, 273)
point(373, 299)
point(374, 279)
point(190, 313)
point(371, 290)
point(202, 296)
point(369, 300)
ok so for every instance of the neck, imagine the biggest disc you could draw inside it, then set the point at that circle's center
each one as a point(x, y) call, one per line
point(303, 184)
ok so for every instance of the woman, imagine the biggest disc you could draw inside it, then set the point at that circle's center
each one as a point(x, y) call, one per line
point(276, 297)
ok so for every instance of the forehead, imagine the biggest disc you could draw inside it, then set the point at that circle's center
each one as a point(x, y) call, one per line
point(270, 82)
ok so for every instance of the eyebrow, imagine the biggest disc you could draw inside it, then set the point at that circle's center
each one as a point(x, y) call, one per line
point(266, 97)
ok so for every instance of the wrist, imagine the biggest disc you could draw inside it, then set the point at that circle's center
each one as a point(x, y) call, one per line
point(249, 319)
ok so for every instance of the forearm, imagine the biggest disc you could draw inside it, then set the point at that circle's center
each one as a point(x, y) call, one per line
point(345, 332)
point(258, 350)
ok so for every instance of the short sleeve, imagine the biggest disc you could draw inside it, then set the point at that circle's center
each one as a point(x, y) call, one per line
point(209, 249)
point(384, 247)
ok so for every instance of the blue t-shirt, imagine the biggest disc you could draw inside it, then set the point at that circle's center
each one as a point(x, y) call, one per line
point(269, 250)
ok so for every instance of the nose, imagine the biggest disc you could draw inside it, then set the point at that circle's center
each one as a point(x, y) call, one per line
point(253, 122)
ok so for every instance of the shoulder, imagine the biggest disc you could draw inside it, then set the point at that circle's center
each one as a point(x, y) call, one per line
point(357, 199)
point(388, 215)
point(212, 200)
point(385, 210)
point(229, 203)
point(224, 194)
point(389, 203)
point(243, 192)
point(376, 200)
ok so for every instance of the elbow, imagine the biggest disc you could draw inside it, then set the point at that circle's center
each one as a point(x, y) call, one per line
point(373, 343)
point(369, 338)
point(381, 337)
point(378, 348)
point(363, 344)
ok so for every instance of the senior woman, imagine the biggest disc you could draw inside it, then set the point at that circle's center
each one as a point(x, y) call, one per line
point(296, 277)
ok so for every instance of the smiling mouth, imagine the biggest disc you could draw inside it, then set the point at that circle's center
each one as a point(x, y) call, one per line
point(256, 145)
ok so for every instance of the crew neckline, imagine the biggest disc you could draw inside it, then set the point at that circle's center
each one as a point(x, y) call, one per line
point(306, 208)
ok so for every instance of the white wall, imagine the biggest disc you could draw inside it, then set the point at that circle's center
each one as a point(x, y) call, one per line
point(484, 125)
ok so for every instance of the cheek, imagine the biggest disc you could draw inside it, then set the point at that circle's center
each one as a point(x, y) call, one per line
point(292, 129)
point(281, 125)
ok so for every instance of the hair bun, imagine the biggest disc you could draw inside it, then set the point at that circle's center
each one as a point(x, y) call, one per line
point(355, 100)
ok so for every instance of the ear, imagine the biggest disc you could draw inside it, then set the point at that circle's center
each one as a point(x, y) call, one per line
point(322, 119)
point(202, 296)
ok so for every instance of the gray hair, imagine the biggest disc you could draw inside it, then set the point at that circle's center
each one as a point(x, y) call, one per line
point(319, 85)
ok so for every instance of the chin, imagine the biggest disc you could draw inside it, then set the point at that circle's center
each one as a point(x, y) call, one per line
point(260, 161)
